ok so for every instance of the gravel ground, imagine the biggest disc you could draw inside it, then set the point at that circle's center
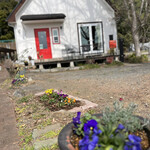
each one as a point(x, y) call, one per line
point(102, 86)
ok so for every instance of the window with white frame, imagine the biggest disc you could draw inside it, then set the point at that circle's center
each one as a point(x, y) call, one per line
point(55, 36)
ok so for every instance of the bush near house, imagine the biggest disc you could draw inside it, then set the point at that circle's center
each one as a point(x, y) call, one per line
point(134, 59)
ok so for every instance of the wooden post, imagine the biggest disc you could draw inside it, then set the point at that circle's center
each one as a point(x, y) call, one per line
point(0, 58)
point(9, 55)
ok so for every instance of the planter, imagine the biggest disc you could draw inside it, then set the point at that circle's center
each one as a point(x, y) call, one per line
point(109, 59)
point(64, 137)
point(26, 63)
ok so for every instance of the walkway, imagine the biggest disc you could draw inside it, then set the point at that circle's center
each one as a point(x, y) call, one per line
point(8, 131)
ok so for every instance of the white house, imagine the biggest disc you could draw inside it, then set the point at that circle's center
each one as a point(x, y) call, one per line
point(48, 29)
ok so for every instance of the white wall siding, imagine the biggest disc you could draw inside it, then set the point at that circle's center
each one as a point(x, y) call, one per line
point(76, 11)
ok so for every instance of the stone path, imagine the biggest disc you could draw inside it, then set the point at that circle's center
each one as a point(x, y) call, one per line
point(38, 144)
point(8, 131)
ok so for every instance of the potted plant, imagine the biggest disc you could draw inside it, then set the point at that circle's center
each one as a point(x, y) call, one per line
point(110, 58)
point(31, 60)
point(112, 130)
point(26, 63)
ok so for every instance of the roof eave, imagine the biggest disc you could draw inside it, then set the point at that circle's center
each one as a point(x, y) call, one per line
point(11, 17)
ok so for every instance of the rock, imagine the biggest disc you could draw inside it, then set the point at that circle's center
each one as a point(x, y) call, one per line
point(19, 93)
point(39, 121)
point(28, 113)
point(30, 79)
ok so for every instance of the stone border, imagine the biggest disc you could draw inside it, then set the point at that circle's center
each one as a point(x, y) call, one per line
point(54, 70)
point(87, 105)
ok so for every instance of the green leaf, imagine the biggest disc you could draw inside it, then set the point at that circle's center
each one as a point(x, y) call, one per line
point(109, 147)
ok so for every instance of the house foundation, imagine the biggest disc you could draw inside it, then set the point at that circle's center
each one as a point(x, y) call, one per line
point(71, 64)
point(58, 65)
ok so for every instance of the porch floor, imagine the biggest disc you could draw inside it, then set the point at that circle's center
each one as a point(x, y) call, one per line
point(73, 59)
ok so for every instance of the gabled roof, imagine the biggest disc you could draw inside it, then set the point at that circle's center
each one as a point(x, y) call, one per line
point(11, 17)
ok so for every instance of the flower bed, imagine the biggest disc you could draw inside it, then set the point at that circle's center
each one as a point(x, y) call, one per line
point(113, 130)
point(55, 100)
point(18, 80)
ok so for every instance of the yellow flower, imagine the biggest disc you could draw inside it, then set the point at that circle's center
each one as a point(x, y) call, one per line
point(49, 91)
point(22, 76)
point(74, 100)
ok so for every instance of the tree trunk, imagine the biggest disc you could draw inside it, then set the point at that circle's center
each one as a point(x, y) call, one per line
point(135, 29)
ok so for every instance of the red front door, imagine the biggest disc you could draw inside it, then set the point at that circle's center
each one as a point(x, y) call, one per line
point(43, 44)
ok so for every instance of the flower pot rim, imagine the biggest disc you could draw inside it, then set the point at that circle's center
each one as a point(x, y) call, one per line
point(64, 137)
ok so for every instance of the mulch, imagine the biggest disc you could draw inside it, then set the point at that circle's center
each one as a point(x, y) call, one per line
point(55, 107)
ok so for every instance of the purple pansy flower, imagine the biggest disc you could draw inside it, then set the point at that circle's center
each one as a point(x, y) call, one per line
point(120, 127)
point(91, 124)
point(87, 144)
point(133, 143)
point(83, 144)
point(76, 120)
point(134, 138)
point(14, 81)
point(65, 95)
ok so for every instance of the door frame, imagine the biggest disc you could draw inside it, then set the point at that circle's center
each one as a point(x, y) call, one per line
point(36, 30)
point(79, 40)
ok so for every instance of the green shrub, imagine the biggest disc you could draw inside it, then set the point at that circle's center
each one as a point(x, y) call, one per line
point(24, 99)
point(136, 59)
point(89, 66)
point(115, 63)
point(44, 97)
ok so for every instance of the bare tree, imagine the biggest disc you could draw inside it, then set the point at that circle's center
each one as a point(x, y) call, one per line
point(144, 21)
point(132, 17)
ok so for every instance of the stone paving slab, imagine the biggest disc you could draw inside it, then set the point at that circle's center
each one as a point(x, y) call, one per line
point(37, 133)
point(38, 145)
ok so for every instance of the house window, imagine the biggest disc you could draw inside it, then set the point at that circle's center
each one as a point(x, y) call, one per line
point(90, 37)
point(111, 37)
point(42, 39)
point(55, 36)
